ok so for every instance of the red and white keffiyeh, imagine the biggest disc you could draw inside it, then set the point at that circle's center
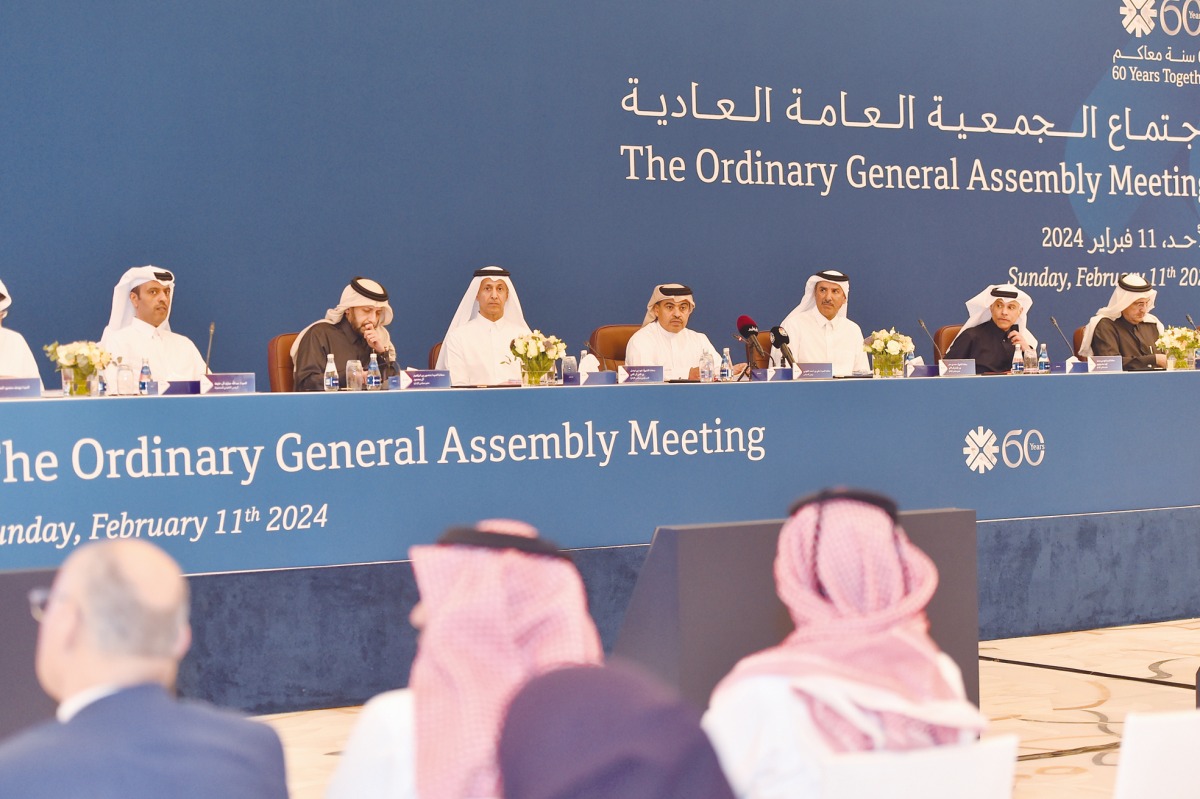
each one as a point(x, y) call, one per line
point(861, 656)
point(494, 618)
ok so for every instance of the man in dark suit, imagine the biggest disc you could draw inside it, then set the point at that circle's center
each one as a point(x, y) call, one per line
point(113, 630)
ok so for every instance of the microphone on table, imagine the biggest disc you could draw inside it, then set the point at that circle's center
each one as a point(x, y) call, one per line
point(1063, 335)
point(748, 332)
point(780, 340)
point(212, 328)
point(937, 353)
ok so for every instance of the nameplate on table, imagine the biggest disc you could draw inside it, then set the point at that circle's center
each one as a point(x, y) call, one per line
point(228, 383)
point(957, 367)
point(814, 371)
point(639, 374)
point(176, 387)
point(1106, 363)
point(1064, 368)
point(421, 378)
point(20, 387)
point(920, 370)
point(772, 374)
point(589, 378)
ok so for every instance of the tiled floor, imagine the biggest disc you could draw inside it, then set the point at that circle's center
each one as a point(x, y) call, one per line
point(1065, 695)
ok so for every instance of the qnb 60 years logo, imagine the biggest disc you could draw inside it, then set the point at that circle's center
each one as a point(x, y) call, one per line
point(1173, 17)
point(1019, 448)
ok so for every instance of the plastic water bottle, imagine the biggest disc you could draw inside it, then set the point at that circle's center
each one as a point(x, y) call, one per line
point(706, 367)
point(1043, 360)
point(331, 375)
point(374, 378)
point(1018, 362)
point(909, 357)
point(726, 373)
point(145, 379)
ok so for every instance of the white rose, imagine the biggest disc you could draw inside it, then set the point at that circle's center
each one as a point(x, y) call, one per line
point(893, 348)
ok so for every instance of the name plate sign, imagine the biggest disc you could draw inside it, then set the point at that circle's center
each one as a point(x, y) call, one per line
point(175, 387)
point(639, 374)
point(771, 374)
point(920, 370)
point(589, 378)
point(957, 367)
point(422, 378)
point(1106, 363)
point(228, 383)
point(1065, 368)
point(20, 387)
point(814, 371)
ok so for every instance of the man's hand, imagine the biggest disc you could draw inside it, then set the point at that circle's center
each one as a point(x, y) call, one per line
point(376, 338)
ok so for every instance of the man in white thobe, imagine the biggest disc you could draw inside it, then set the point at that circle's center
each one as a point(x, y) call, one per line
point(476, 346)
point(139, 327)
point(819, 329)
point(16, 360)
point(665, 340)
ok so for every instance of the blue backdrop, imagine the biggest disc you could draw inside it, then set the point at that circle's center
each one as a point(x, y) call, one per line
point(267, 151)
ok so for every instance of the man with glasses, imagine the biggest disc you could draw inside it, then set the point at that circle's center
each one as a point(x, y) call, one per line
point(1126, 327)
point(139, 327)
point(114, 627)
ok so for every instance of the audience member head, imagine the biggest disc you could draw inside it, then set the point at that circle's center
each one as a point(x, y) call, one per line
point(670, 305)
point(611, 732)
point(861, 656)
point(499, 605)
point(116, 615)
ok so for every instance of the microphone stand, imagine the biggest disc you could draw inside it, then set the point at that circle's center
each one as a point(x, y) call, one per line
point(938, 355)
point(1063, 336)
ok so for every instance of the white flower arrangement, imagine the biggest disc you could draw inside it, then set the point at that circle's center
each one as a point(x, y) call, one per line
point(537, 352)
point(86, 357)
point(1178, 342)
point(887, 349)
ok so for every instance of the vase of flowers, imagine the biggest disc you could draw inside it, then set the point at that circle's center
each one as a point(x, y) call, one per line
point(887, 349)
point(1179, 343)
point(537, 354)
point(79, 363)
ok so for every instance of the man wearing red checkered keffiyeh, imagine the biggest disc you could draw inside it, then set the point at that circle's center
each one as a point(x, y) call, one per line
point(499, 605)
point(859, 672)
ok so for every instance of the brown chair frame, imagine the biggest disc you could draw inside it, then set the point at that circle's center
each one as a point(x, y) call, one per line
point(943, 337)
point(608, 343)
point(281, 369)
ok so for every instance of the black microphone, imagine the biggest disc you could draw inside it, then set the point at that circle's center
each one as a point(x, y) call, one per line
point(749, 333)
point(212, 328)
point(780, 340)
point(1063, 335)
point(938, 354)
point(1188, 317)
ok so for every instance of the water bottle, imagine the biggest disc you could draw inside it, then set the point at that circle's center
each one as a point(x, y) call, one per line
point(706, 367)
point(331, 375)
point(726, 373)
point(909, 357)
point(1043, 360)
point(145, 379)
point(1018, 362)
point(374, 378)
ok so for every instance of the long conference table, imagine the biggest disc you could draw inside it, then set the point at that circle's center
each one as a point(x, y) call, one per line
point(266, 481)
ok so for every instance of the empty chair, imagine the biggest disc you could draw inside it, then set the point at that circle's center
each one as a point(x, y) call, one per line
point(979, 770)
point(942, 339)
point(1157, 751)
point(281, 370)
point(607, 343)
